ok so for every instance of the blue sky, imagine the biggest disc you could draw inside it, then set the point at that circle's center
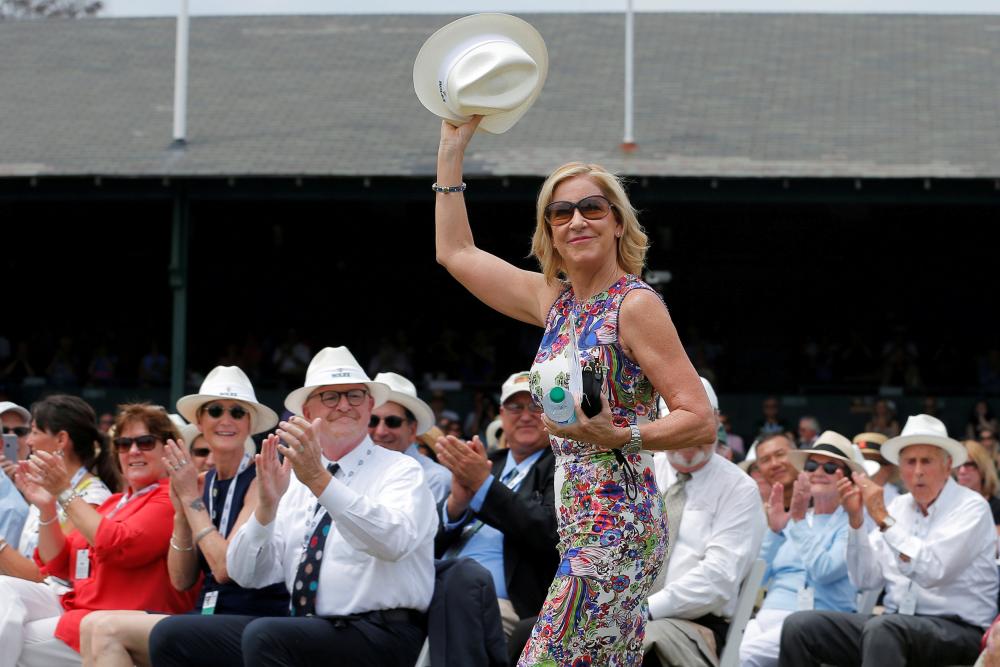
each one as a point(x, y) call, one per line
point(229, 7)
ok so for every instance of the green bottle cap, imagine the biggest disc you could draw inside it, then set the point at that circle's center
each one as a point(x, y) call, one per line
point(557, 394)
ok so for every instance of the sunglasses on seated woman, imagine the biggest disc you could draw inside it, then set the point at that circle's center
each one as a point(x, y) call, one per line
point(829, 467)
point(145, 443)
point(593, 207)
point(237, 412)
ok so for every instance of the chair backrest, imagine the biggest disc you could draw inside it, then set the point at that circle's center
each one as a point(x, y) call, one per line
point(744, 607)
point(867, 600)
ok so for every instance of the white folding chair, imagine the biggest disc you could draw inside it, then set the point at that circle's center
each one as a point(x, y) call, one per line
point(744, 607)
point(867, 599)
point(424, 659)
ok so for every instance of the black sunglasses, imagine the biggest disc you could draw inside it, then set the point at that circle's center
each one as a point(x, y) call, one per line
point(145, 443)
point(201, 452)
point(593, 207)
point(829, 467)
point(237, 412)
point(19, 431)
point(392, 421)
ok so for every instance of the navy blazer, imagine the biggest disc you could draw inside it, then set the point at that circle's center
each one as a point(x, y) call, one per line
point(527, 519)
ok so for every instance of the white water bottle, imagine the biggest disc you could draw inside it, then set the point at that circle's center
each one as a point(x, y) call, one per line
point(559, 406)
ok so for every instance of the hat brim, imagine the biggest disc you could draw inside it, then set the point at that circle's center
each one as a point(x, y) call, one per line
point(420, 410)
point(294, 401)
point(439, 46)
point(798, 458)
point(892, 447)
point(262, 418)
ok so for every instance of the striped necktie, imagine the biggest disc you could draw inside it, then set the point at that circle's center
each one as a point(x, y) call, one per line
point(307, 578)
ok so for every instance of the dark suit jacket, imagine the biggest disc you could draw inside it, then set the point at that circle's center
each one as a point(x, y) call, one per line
point(463, 622)
point(527, 519)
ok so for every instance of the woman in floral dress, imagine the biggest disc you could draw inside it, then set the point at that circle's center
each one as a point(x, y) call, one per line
point(611, 522)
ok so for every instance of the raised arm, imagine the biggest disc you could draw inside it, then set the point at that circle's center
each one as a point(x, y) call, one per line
point(523, 295)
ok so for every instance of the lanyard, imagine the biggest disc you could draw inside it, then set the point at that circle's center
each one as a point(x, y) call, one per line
point(227, 506)
point(77, 476)
point(126, 499)
point(320, 510)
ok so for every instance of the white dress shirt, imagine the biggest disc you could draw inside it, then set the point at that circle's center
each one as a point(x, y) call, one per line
point(719, 537)
point(952, 569)
point(379, 553)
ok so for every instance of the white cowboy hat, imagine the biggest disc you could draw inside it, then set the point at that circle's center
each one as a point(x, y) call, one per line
point(493, 65)
point(924, 430)
point(831, 444)
point(7, 406)
point(713, 399)
point(333, 366)
point(494, 431)
point(228, 382)
point(515, 384)
point(403, 392)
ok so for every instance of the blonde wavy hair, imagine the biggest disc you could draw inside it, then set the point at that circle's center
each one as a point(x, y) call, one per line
point(632, 245)
point(987, 469)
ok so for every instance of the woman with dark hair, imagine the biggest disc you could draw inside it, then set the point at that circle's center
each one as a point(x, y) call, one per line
point(980, 419)
point(65, 426)
point(612, 529)
point(116, 556)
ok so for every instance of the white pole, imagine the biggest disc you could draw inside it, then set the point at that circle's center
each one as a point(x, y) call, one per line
point(181, 76)
point(628, 141)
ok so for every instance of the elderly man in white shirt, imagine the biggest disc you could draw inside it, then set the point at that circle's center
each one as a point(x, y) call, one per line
point(347, 525)
point(716, 528)
point(933, 551)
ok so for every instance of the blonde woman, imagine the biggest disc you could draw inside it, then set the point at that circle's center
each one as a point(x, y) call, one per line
point(980, 475)
point(612, 527)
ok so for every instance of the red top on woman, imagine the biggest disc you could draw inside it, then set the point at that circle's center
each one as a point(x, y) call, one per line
point(127, 563)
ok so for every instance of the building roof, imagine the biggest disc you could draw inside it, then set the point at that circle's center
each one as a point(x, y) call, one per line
point(725, 95)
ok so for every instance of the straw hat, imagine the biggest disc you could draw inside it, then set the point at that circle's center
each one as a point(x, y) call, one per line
point(228, 383)
point(831, 444)
point(333, 366)
point(924, 430)
point(403, 391)
point(492, 65)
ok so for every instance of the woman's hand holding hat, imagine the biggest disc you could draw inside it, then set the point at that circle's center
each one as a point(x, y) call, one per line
point(455, 139)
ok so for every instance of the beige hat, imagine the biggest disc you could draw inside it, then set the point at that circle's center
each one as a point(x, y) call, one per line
point(831, 444)
point(870, 444)
point(494, 431)
point(333, 366)
point(493, 65)
point(228, 382)
point(515, 384)
point(7, 406)
point(403, 391)
point(924, 430)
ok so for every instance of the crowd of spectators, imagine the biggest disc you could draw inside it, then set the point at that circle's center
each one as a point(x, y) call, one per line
point(900, 514)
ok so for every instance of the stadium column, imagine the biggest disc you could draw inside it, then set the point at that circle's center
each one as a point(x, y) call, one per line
point(178, 283)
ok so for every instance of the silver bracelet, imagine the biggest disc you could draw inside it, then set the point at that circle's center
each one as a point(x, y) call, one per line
point(448, 188)
point(66, 497)
point(177, 548)
point(202, 533)
point(50, 521)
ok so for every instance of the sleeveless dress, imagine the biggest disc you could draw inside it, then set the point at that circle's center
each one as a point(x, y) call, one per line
point(234, 599)
point(612, 535)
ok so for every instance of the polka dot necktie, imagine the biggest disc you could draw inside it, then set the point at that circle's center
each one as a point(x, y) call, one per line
point(307, 578)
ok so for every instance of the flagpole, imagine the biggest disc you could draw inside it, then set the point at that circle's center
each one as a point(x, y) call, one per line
point(181, 77)
point(628, 141)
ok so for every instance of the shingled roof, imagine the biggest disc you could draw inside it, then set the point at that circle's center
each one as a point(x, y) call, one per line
point(725, 95)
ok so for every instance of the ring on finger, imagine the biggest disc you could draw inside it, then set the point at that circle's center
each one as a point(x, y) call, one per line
point(182, 462)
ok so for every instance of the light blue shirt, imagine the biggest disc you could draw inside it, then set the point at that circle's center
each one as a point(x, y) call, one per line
point(436, 476)
point(811, 553)
point(486, 545)
point(13, 511)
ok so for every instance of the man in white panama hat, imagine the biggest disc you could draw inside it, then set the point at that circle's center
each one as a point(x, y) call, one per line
point(933, 551)
point(346, 525)
point(396, 424)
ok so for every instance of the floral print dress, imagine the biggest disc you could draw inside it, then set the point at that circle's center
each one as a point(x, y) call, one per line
point(612, 534)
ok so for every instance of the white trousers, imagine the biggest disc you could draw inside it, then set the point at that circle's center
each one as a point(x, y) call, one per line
point(762, 639)
point(29, 613)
